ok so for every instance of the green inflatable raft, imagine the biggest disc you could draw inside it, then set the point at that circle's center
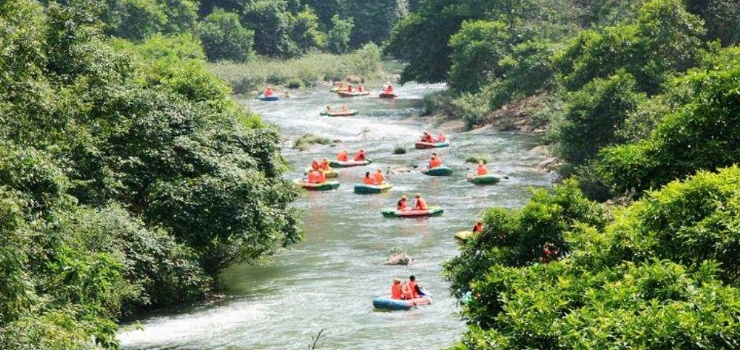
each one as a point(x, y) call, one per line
point(372, 189)
point(411, 213)
point(484, 179)
point(437, 171)
point(326, 186)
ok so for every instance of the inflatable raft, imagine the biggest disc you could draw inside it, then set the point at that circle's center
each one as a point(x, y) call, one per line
point(353, 93)
point(400, 304)
point(339, 113)
point(329, 173)
point(268, 98)
point(372, 189)
point(425, 145)
point(464, 235)
point(387, 95)
point(437, 171)
point(483, 179)
point(338, 89)
point(349, 163)
point(326, 186)
point(411, 213)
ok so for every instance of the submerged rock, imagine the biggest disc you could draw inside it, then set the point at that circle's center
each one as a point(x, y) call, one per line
point(398, 259)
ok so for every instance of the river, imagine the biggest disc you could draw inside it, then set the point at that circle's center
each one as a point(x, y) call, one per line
point(327, 281)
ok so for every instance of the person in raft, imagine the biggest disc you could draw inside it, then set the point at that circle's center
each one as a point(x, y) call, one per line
point(360, 155)
point(402, 204)
point(396, 292)
point(315, 165)
point(388, 88)
point(321, 177)
point(478, 228)
point(481, 169)
point(313, 177)
point(415, 289)
point(426, 137)
point(324, 165)
point(268, 91)
point(349, 87)
point(441, 138)
point(367, 180)
point(343, 156)
point(360, 88)
point(421, 204)
point(379, 177)
point(328, 109)
point(434, 161)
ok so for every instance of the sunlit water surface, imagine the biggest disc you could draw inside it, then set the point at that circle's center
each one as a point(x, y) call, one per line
point(329, 279)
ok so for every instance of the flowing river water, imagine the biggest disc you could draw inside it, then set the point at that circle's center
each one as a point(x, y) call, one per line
point(327, 281)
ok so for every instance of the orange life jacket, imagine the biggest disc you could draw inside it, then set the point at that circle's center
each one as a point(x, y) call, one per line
point(349, 88)
point(389, 89)
point(421, 204)
point(324, 165)
point(427, 138)
point(482, 170)
point(360, 155)
point(412, 286)
point(407, 293)
point(368, 180)
point(396, 292)
point(435, 162)
point(322, 177)
point(401, 205)
point(268, 92)
point(313, 177)
point(379, 178)
point(315, 166)
point(342, 156)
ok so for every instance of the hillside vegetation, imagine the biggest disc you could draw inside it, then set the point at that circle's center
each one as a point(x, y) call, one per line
point(642, 102)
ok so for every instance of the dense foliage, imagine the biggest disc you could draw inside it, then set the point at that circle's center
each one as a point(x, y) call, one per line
point(128, 177)
point(660, 274)
point(642, 100)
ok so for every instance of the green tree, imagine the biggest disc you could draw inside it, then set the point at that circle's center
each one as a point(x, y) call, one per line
point(224, 38)
point(477, 49)
point(338, 36)
point(721, 18)
point(374, 19)
point(594, 116)
point(305, 31)
point(271, 23)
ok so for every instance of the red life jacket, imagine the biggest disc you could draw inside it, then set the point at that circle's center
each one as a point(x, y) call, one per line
point(379, 178)
point(368, 180)
point(401, 204)
point(324, 165)
point(421, 204)
point(412, 286)
point(407, 293)
point(481, 170)
point(477, 228)
point(360, 155)
point(396, 292)
point(342, 156)
point(313, 177)
point(322, 177)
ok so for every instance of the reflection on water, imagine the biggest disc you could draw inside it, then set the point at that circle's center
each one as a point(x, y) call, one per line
point(328, 280)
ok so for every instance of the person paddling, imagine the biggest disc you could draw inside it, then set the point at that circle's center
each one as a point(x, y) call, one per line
point(426, 137)
point(415, 288)
point(379, 177)
point(421, 204)
point(434, 161)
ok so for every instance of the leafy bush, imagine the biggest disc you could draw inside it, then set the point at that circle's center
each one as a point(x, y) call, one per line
point(224, 38)
point(294, 84)
point(475, 158)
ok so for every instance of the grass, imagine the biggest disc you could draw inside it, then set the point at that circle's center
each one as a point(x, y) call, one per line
point(306, 140)
point(363, 64)
point(399, 150)
point(475, 158)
